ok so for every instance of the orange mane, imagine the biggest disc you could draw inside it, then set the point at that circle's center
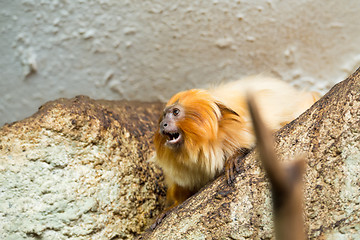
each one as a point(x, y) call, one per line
point(211, 132)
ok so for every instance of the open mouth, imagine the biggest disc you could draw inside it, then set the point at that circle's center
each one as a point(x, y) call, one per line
point(173, 138)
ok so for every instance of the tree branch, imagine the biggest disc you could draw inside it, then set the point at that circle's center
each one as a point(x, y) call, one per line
point(286, 184)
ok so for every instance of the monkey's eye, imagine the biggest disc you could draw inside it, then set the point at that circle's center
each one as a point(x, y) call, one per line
point(176, 111)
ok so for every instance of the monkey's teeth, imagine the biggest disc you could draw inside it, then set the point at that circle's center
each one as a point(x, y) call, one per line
point(173, 138)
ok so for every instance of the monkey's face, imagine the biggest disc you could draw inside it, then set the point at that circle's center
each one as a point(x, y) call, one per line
point(169, 125)
point(189, 120)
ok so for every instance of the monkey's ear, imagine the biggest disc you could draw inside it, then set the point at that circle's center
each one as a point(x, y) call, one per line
point(225, 110)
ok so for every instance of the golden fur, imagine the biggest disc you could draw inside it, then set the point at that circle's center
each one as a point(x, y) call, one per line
point(216, 123)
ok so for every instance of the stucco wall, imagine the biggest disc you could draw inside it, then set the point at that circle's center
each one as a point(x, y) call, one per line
point(148, 50)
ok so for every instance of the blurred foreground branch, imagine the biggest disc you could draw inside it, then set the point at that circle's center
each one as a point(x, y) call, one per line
point(286, 183)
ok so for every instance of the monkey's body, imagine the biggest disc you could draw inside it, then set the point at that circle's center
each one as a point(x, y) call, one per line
point(200, 129)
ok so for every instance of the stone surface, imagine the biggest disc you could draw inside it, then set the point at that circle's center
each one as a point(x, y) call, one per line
point(78, 169)
point(328, 134)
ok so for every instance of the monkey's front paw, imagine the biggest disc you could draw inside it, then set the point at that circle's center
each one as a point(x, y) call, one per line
point(233, 164)
point(158, 220)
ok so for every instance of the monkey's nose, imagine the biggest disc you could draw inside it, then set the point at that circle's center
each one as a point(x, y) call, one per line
point(163, 126)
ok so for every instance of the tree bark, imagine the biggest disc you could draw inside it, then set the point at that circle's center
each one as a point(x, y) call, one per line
point(328, 135)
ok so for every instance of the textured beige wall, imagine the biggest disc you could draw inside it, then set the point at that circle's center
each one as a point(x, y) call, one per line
point(149, 50)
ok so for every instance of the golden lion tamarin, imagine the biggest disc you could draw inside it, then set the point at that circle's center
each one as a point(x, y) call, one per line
point(200, 129)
